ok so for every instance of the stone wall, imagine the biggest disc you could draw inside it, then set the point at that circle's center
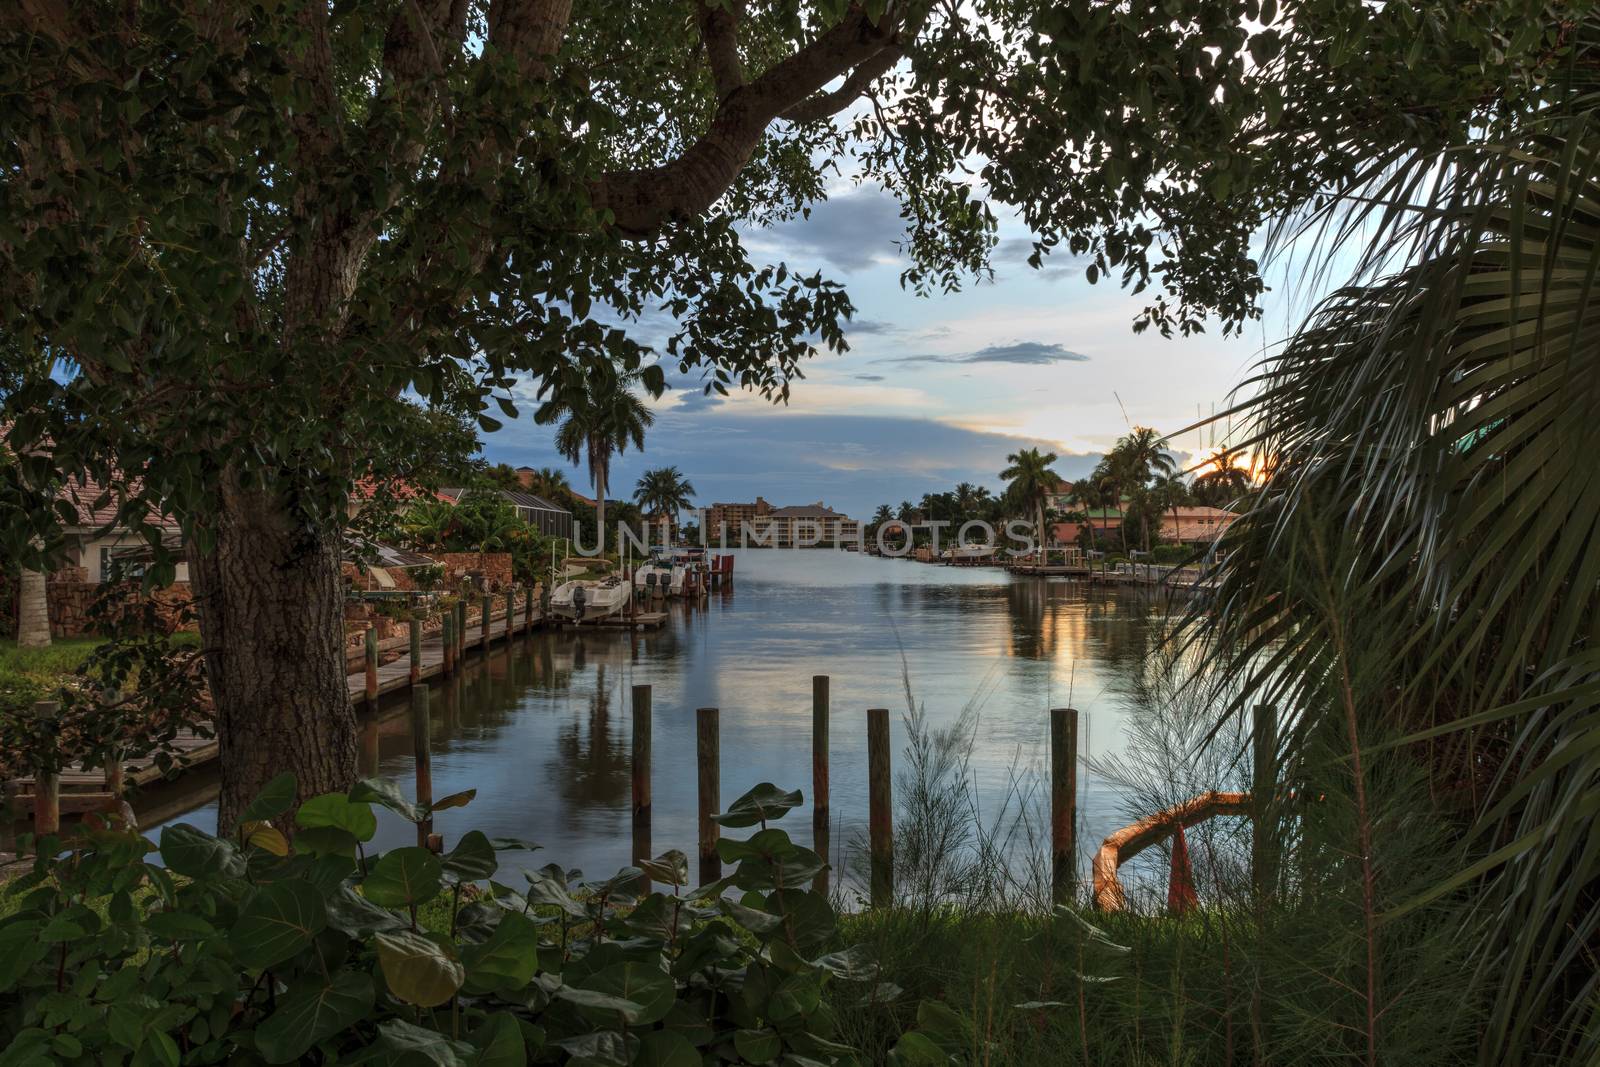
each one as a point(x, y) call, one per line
point(494, 566)
point(71, 604)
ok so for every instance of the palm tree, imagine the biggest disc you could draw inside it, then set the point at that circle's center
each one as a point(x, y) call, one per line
point(1423, 562)
point(1138, 457)
point(664, 492)
point(552, 484)
point(33, 610)
point(1030, 481)
point(1172, 492)
point(1099, 492)
point(884, 514)
point(425, 523)
point(1223, 481)
point(597, 419)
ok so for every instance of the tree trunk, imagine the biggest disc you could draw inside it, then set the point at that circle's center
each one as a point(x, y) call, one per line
point(33, 611)
point(270, 600)
point(600, 507)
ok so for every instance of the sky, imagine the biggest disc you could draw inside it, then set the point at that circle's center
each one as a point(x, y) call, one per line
point(934, 391)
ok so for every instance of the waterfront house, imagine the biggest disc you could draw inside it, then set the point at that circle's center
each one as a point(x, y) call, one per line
point(804, 524)
point(1191, 525)
point(549, 518)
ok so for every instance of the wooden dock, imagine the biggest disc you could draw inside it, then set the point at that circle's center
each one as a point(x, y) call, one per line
point(84, 790)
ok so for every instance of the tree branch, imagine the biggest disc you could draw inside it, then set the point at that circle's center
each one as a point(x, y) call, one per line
point(641, 201)
point(825, 104)
point(719, 33)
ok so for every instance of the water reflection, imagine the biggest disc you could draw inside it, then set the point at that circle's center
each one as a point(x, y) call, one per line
point(542, 730)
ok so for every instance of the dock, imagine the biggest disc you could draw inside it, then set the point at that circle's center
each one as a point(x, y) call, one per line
point(84, 790)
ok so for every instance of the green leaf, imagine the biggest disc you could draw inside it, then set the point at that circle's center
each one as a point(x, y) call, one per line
point(507, 960)
point(403, 1044)
point(454, 800)
point(917, 1050)
point(325, 841)
point(339, 812)
point(312, 1012)
point(499, 1042)
point(193, 853)
point(646, 985)
point(403, 878)
point(353, 914)
point(419, 970)
point(178, 926)
point(20, 949)
point(278, 921)
point(764, 803)
point(666, 1048)
point(606, 1048)
point(275, 798)
point(757, 1046)
point(386, 793)
point(473, 858)
point(669, 868)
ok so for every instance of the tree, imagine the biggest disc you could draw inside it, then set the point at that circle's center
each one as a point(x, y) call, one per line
point(1138, 457)
point(598, 416)
point(287, 217)
point(552, 485)
point(1222, 481)
point(1030, 481)
point(33, 610)
point(664, 492)
point(1171, 492)
point(1098, 492)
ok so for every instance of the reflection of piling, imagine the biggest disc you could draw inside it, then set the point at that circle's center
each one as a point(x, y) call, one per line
point(447, 641)
point(461, 628)
point(527, 608)
point(1063, 803)
point(369, 747)
point(372, 668)
point(880, 809)
point(46, 780)
point(424, 758)
point(641, 775)
point(414, 675)
point(819, 773)
point(708, 759)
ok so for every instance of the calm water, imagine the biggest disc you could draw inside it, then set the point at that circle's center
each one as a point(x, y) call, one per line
point(541, 729)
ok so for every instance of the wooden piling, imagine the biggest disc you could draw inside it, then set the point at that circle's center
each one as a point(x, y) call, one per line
point(421, 749)
point(447, 641)
point(641, 775)
point(527, 608)
point(880, 808)
point(461, 629)
point(1263, 790)
point(115, 778)
point(709, 760)
point(1063, 804)
point(511, 603)
point(371, 656)
point(46, 783)
point(414, 675)
point(486, 607)
point(819, 773)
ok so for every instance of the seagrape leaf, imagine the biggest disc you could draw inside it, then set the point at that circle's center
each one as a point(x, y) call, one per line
point(193, 853)
point(669, 868)
point(311, 1012)
point(499, 1042)
point(472, 858)
point(403, 1044)
point(917, 1050)
point(275, 798)
point(353, 914)
point(508, 959)
point(418, 969)
point(644, 984)
point(339, 812)
point(607, 1048)
point(757, 1046)
point(403, 878)
point(762, 804)
point(277, 921)
point(384, 792)
point(665, 1048)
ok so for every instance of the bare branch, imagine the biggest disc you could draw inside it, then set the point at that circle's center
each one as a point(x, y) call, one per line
point(641, 201)
point(825, 104)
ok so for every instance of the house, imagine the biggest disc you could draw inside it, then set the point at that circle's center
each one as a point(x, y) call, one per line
point(1059, 496)
point(97, 542)
point(1194, 524)
point(549, 518)
point(1102, 522)
point(805, 524)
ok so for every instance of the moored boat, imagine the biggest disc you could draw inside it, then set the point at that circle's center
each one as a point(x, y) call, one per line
point(585, 600)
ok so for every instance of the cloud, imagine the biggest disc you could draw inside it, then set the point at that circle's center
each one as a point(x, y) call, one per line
point(688, 393)
point(870, 326)
point(1011, 257)
point(853, 462)
point(852, 232)
point(868, 377)
point(1027, 353)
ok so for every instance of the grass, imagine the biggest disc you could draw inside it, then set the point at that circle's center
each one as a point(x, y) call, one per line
point(45, 666)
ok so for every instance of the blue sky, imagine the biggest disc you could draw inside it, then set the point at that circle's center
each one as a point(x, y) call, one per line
point(934, 390)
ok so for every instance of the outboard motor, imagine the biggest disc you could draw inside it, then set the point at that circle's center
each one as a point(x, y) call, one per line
point(650, 584)
point(578, 599)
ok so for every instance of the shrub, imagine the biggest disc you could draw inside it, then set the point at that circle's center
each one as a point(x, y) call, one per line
point(265, 949)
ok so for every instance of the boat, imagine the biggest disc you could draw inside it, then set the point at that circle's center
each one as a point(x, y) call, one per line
point(967, 554)
point(588, 599)
point(656, 576)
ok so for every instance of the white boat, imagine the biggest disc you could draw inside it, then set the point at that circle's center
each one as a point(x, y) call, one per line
point(668, 576)
point(967, 553)
point(584, 600)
